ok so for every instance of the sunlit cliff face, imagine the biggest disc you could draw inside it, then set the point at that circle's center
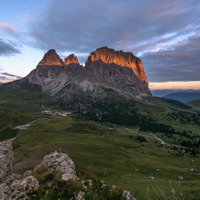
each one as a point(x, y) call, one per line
point(104, 56)
point(120, 58)
point(51, 58)
point(71, 59)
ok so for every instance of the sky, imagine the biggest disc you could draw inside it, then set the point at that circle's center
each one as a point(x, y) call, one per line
point(165, 35)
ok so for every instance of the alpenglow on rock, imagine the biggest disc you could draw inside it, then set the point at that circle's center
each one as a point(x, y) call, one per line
point(51, 58)
point(114, 58)
point(104, 68)
point(71, 59)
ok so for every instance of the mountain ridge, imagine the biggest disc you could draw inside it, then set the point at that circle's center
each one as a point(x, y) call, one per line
point(104, 68)
point(184, 96)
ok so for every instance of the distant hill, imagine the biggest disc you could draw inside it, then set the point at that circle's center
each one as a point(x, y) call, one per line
point(195, 104)
point(162, 93)
point(184, 96)
point(165, 92)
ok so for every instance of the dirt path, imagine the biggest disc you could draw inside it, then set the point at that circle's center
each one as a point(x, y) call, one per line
point(155, 137)
point(25, 126)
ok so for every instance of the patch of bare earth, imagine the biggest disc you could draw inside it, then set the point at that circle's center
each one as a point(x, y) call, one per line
point(36, 158)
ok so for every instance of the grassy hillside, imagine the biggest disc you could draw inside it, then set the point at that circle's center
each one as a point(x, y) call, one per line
point(195, 104)
point(9, 119)
point(102, 136)
point(25, 97)
point(184, 96)
point(113, 154)
point(21, 103)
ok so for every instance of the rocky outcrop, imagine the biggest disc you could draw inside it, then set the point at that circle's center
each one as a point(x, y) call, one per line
point(6, 160)
point(60, 162)
point(19, 188)
point(126, 194)
point(71, 59)
point(51, 58)
point(14, 186)
point(119, 70)
point(104, 68)
point(113, 58)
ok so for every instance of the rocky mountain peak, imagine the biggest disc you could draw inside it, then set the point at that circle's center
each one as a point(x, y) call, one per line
point(104, 68)
point(51, 58)
point(71, 59)
point(120, 58)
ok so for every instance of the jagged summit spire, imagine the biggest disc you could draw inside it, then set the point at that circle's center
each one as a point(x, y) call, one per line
point(71, 59)
point(51, 58)
point(105, 68)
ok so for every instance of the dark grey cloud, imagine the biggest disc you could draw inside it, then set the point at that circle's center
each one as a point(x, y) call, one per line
point(8, 76)
point(2, 78)
point(164, 34)
point(180, 64)
point(8, 48)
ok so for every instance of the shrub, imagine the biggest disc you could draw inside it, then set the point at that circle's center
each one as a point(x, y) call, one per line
point(141, 139)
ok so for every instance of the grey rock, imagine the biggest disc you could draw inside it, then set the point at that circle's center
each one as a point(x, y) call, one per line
point(80, 195)
point(5, 191)
point(60, 162)
point(27, 173)
point(6, 160)
point(180, 178)
point(28, 184)
point(104, 68)
point(127, 195)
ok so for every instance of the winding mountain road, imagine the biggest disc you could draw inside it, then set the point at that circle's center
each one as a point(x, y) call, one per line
point(155, 137)
point(23, 127)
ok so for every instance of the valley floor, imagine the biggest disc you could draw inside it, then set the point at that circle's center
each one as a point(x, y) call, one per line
point(116, 155)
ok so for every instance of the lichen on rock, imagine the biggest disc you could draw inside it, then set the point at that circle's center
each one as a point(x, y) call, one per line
point(59, 161)
point(6, 160)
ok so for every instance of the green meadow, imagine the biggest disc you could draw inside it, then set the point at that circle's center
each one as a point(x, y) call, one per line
point(114, 155)
point(114, 152)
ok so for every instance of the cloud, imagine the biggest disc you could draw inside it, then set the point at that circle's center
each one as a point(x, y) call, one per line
point(8, 48)
point(180, 64)
point(2, 78)
point(7, 77)
point(7, 28)
point(7, 74)
point(165, 34)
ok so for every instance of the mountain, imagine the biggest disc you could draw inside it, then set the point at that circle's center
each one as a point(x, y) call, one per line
point(162, 93)
point(165, 92)
point(104, 69)
point(184, 96)
point(116, 139)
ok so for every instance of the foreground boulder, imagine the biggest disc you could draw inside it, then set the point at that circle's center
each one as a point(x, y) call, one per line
point(59, 161)
point(13, 186)
point(18, 188)
point(54, 178)
point(6, 160)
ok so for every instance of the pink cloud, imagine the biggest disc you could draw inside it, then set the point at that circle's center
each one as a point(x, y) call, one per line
point(7, 27)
